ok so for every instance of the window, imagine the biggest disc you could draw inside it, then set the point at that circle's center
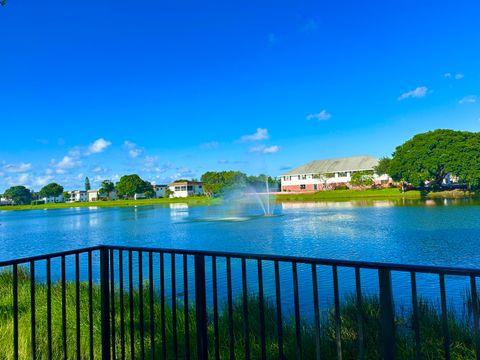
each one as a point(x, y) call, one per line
point(302, 187)
point(183, 188)
point(304, 177)
point(189, 187)
point(177, 188)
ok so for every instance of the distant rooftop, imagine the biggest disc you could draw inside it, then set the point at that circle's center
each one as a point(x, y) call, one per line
point(353, 163)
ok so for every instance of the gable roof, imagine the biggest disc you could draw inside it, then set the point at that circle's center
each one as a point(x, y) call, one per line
point(353, 163)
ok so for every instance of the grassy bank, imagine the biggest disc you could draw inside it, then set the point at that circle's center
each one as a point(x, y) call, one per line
point(195, 200)
point(345, 195)
point(462, 346)
point(374, 194)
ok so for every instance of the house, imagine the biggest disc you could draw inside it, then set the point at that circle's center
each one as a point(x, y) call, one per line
point(139, 196)
point(328, 174)
point(78, 196)
point(183, 189)
point(52, 199)
point(92, 195)
point(4, 201)
point(159, 190)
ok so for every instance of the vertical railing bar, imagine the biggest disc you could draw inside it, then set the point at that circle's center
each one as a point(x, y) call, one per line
point(360, 317)
point(112, 301)
point(185, 304)
point(246, 325)
point(387, 313)
point(152, 305)
point(130, 301)
point(15, 310)
point(33, 325)
point(473, 289)
point(215, 309)
point(416, 325)
point(122, 305)
point(261, 301)
point(231, 333)
point(316, 310)
point(162, 305)
point(105, 304)
point(338, 320)
point(174, 306)
point(201, 307)
point(279, 311)
point(443, 299)
point(64, 309)
point(90, 304)
point(49, 310)
point(77, 303)
point(298, 332)
point(141, 319)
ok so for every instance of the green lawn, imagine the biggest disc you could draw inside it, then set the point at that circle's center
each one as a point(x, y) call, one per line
point(195, 200)
point(344, 195)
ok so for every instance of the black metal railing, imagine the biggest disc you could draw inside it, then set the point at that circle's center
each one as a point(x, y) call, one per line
point(89, 304)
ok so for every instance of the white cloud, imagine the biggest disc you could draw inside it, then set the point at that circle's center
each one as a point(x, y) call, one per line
point(42, 180)
point(265, 149)
point(17, 168)
point(223, 161)
point(470, 99)
point(322, 115)
point(419, 92)
point(133, 150)
point(98, 146)
point(98, 169)
point(260, 134)
point(212, 145)
point(459, 76)
point(66, 163)
point(447, 75)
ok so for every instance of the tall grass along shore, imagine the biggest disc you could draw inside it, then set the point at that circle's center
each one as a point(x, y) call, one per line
point(430, 320)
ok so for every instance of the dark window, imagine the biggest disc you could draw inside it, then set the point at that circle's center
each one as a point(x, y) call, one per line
point(302, 187)
point(189, 187)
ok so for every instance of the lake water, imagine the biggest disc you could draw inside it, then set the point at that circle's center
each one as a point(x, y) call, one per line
point(444, 232)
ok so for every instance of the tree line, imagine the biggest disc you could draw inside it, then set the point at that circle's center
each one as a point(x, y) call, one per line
point(215, 184)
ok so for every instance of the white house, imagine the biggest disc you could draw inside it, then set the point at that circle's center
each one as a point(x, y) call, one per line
point(328, 174)
point(183, 189)
point(52, 199)
point(92, 195)
point(139, 196)
point(78, 196)
point(159, 190)
point(4, 201)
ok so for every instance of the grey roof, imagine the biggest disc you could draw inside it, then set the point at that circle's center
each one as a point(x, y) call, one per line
point(353, 163)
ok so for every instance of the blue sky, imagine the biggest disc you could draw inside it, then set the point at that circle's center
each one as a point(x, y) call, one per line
point(173, 89)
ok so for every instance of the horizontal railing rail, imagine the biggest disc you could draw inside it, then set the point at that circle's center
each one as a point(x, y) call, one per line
point(112, 302)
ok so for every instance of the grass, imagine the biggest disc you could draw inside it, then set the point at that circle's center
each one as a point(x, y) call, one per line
point(193, 200)
point(462, 345)
point(345, 195)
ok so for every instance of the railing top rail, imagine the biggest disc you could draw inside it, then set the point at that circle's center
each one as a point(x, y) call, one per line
point(310, 260)
point(49, 256)
point(281, 258)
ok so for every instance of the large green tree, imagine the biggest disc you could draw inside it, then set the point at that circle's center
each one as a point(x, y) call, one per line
point(129, 185)
point(20, 195)
point(51, 190)
point(431, 156)
point(218, 182)
point(106, 188)
point(383, 166)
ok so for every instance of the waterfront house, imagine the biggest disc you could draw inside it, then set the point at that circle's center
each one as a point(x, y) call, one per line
point(183, 189)
point(139, 196)
point(92, 195)
point(52, 199)
point(4, 201)
point(331, 173)
point(78, 196)
point(159, 190)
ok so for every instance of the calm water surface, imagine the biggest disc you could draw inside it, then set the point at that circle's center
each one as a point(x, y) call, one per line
point(432, 233)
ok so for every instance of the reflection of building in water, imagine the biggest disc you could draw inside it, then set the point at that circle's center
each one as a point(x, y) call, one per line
point(178, 211)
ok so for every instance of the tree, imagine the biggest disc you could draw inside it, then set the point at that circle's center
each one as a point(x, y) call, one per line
point(383, 166)
point(106, 188)
point(87, 184)
point(3, 2)
point(168, 192)
point(362, 178)
point(20, 195)
point(66, 195)
point(431, 156)
point(219, 182)
point(51, 190)
point(129, 185)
